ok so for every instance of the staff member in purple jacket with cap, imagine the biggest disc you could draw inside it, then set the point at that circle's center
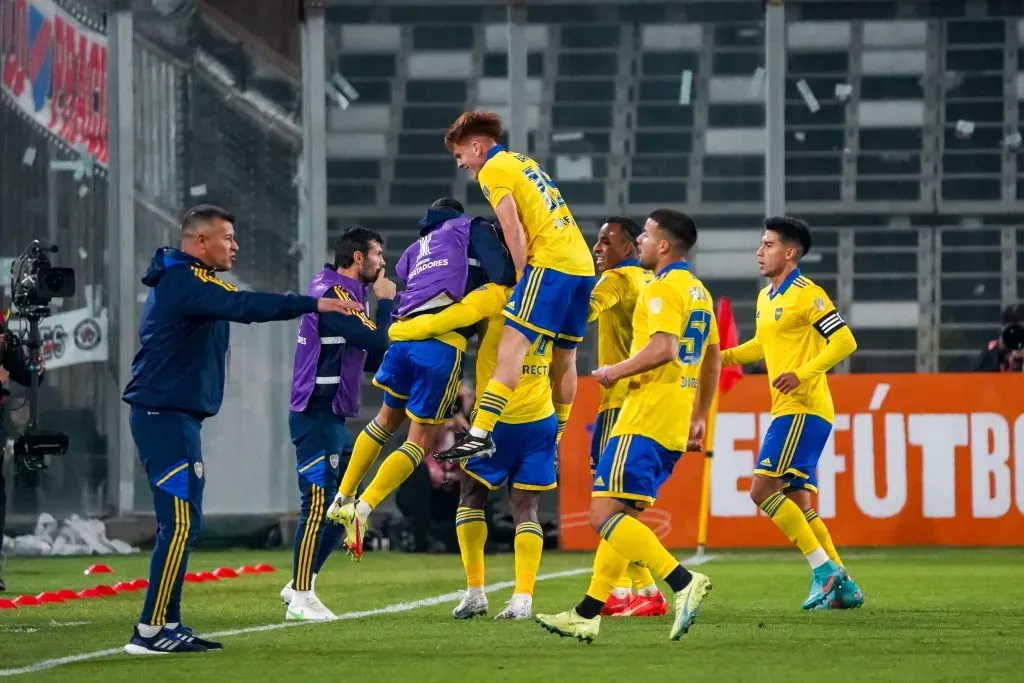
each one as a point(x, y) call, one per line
point(177, 382)
point(331, 355)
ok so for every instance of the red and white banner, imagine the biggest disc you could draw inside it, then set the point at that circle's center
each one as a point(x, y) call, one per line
point(913, 460)
point(55, 72)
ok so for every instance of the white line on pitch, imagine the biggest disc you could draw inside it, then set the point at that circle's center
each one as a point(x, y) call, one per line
point(387, 609)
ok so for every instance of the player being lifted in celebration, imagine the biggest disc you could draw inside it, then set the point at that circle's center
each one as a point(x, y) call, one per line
point(552, 297)
point(524, 451)
point(611, 305)
point(673, 370)
point(801, 336)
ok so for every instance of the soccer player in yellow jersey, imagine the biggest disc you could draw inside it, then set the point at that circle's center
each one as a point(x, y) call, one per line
point(524, 450)
point(551, 299)
point(673, 370)
point(801, 336)
point(611, 305)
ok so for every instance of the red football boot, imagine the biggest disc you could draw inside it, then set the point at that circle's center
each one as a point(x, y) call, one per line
point(615, 607)
point(647, 606)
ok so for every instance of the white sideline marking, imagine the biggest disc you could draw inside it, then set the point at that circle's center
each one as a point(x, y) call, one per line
point(387, 609)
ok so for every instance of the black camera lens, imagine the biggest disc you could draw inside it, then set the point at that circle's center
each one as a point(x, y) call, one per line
point(53, 280)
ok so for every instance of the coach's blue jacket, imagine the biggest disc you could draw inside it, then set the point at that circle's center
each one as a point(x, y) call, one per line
point(184, 333)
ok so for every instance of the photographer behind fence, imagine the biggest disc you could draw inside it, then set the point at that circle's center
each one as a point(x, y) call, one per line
point(34, 284)
point(1006, 352)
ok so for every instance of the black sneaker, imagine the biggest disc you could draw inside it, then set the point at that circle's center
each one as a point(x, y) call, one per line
point(186, 633)
point(165, 642)
point(468, 447)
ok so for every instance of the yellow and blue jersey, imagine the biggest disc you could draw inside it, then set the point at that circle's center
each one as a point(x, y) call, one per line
point(553, 239)
point(800, 331)
point(531, 401)
point(612, 303)
point(660, 401)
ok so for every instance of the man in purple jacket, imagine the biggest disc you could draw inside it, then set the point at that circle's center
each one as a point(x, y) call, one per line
point(420, 379)
point(332, 352)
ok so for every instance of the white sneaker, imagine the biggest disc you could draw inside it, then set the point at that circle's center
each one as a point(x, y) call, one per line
point(519, 607)
point(473, 604)
point(288, 592)
point(307, 607)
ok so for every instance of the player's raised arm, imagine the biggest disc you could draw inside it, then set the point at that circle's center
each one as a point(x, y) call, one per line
point(358, 329)
point(479, 304)
point(665, 309)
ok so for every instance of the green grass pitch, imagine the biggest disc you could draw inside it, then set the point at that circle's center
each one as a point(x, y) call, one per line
point(931, 615)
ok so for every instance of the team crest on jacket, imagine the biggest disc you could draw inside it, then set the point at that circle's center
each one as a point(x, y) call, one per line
point(778, 313)
point(334, 460)
point(199, 469)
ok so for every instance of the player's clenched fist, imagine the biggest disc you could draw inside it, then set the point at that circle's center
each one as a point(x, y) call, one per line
point(338, 306)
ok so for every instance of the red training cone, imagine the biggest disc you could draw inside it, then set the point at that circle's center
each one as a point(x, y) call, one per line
point(8, 604)
point(265, 569)
point(26, 600)
point(98, 569)
point(48, 598)
point(105, 591)
point(225, 573)
point(67, 594)
point(125, 586)
point(208, 576)
point(248, 569)
point(193, 578)
point(140, 584)
point(89, 593)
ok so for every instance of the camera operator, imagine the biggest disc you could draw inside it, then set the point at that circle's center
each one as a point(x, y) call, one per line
point(1006, 352)
point(13, 367)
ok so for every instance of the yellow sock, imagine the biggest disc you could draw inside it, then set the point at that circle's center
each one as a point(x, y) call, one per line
point(471, 528)
point(639, 577)
point(790, 519)
point(492, 403)
point(625, 582)
point(637, 543)
point(609, 565)
point(822, 534)
point(395, 469)
point(367, 448)
point(529, 545)
point(562, 414)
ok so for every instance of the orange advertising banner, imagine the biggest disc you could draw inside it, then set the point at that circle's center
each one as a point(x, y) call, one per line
point(913, 460)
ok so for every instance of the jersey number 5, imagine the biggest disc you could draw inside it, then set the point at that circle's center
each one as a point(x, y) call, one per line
point(546, 187)
point(695, 335)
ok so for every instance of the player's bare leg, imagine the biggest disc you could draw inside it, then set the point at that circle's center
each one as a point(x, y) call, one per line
point(512, 349)
point(563, 388)
point(471, 529)
point(529, 544)
point(849, 596)
point(392, 473)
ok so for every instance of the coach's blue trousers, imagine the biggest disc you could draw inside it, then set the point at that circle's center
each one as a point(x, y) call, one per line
point(323, 447)
point(171, 453)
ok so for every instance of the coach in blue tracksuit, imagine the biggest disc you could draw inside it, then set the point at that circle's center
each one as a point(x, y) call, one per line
point(177, 382)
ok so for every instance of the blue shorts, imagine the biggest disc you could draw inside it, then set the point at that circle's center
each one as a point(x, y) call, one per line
point(633, 468)
point(602, 432)
point(424, 377)
point(523, 453)
point(550, 304)
point(322, 443)
point(791, 450)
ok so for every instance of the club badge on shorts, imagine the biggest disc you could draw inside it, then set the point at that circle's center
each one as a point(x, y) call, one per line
point(199, 469)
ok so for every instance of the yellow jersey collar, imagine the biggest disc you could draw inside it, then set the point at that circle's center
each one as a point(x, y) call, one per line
point(785, 284)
